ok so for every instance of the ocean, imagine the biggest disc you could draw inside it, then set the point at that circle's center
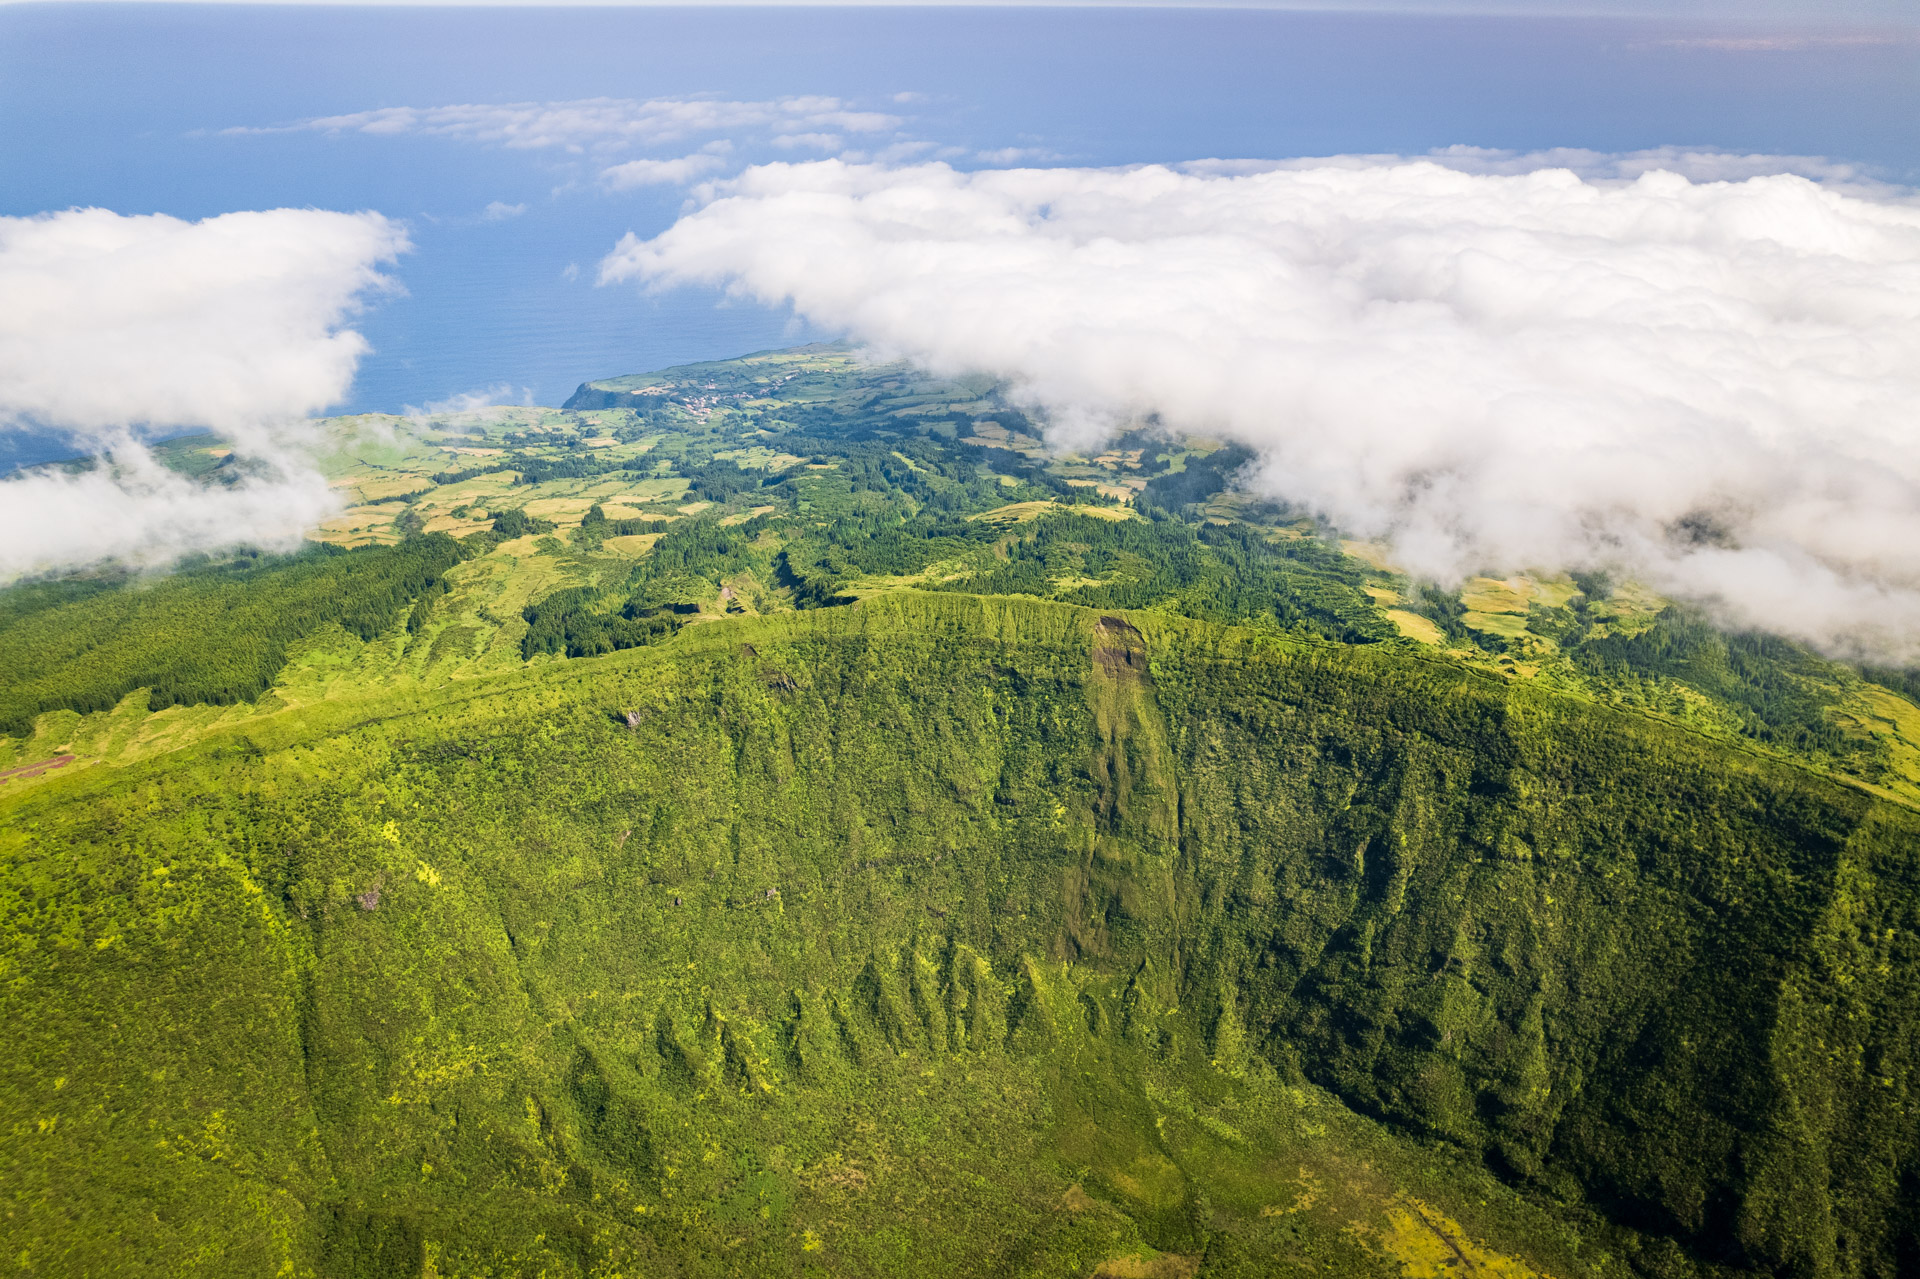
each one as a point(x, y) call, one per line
point(195, 111)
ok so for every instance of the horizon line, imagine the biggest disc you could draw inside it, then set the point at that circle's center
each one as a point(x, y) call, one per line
point(1850, 16)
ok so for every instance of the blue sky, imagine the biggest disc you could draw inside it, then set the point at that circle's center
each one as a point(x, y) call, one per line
point(160, 108)
point(508, 201)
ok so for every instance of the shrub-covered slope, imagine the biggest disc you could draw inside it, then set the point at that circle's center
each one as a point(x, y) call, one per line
point(959, 935)
point(215, 632)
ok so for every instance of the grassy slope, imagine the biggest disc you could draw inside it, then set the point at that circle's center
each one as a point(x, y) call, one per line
point(950, 935)
point(728, 437)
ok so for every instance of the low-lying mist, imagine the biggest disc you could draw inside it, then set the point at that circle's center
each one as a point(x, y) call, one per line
point(1709, 385)
point(116, 325)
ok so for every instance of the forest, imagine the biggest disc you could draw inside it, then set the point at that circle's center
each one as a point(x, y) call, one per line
point(215, 631)
point(963, 934)
point(794, 823)
point(808, 479)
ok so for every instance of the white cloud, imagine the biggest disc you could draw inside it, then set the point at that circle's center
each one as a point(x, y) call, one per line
point(235, 324)
point(831, 113)
point(501, 211)
point(116, 321)
point(138, 512)
point(1782, 41)
point(809, 141)
point(470, 404)
point(1015, 155)
point(1494, 370)
point(599, 123)
point(677, 172)
point(1698, 164)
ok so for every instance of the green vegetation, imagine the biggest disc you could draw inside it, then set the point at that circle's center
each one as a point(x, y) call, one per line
point(681, 570)
point(774, 818)
point(199, 456)
point(1227, 573)
point(952, 936)
point(1777, 690)
point(212, 632)
point(517, 523)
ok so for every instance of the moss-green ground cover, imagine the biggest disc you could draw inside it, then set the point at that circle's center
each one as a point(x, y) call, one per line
point(943, 934)
point(1140, 889)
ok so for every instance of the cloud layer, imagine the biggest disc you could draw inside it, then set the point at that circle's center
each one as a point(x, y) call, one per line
point(602, 129)
point(1711, 385)
point(1697, 164)
point(602, 124)
point(676, 172)
point(137, 512)
point(235, 324)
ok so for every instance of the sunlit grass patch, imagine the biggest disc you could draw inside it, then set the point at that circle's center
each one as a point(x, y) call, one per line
point(359, 525)
point(561, 510)
point(1020, 512)
point(1415, 627)
point(1895, 722)
point(1148, 1264)
point(454, 525)
point(1488, 595)
point(1516, 594)
point(1505, 625)
point(621, 511)
point(633, 493)
point(1428, 1244)
point(1374, 554)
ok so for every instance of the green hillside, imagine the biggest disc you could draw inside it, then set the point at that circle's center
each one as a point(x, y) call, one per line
point(776, 817)
point(947, 935)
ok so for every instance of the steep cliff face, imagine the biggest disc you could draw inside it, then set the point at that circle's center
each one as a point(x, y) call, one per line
point(959, 935)
point(1674, 981)
point(590, 396)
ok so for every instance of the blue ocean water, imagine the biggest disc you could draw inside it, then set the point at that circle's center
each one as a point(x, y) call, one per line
point(128, 107)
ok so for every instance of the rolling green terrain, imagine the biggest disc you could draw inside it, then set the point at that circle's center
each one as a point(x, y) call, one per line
point(773, 817)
